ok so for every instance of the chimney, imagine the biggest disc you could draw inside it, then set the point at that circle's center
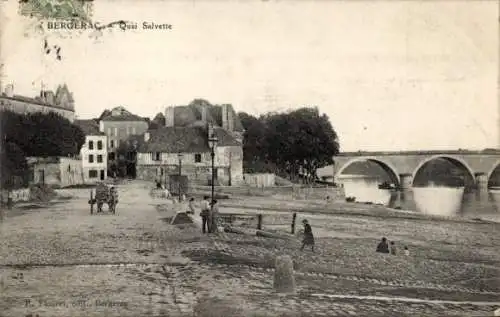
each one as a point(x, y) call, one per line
point(101, 126)
point(227, 118)
point(9, 90)
point(147, 136)
point(170, 116)
point(210, 130)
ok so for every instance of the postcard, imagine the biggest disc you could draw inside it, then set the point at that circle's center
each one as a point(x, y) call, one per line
point(249, 158)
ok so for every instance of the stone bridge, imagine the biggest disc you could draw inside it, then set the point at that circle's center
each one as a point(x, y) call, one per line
point(402, 167)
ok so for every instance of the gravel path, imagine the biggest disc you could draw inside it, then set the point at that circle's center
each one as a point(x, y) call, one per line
point(60, 261)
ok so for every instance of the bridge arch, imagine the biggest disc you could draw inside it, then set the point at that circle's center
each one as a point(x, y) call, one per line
point(492, 170)
point(387, 167)
point(457, 161)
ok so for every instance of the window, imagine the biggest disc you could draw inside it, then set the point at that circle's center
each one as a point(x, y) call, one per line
point(91, 158)
point(99, 158)
point(112, 144)
point(91, 145)
point(156, 156)
point(133, 130)
point(197, 158)
point(111, 156)
point(116, 131)
point(99, 145)
point(92, 173)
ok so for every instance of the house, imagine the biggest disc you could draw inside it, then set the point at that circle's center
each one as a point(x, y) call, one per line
point(118, 126)
point(56, 171)
point(61, 102)
point(94, 152)
point(158, 155)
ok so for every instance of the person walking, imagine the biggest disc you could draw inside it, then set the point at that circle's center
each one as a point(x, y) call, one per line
point(205, 213)
point(214, 215)
point(393, 248)
point(308, 236)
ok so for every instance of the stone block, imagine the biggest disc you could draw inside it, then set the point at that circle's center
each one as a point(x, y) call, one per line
point(284, 279)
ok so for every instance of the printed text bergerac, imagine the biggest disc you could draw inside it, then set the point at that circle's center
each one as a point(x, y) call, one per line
point(60, 25)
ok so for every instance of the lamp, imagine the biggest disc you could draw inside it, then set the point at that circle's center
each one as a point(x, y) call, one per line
point(180, 156)
point(212, 142)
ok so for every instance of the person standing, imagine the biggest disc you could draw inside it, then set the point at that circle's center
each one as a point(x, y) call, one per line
point(308, 236)
point(192, 206)
point(214, 215)
point(205, 213)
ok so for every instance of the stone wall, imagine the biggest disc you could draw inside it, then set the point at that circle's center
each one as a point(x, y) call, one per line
point(57, 172)
point(286, 192)
point(260, 180)
point(17, 195)
point(71, 172)
point(20, 106)
point(200, 175)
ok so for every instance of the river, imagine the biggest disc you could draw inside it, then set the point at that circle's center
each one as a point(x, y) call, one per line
point(435, 200)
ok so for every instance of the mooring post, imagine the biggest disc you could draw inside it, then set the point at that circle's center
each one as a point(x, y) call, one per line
point(293, 222)
point(259, 224)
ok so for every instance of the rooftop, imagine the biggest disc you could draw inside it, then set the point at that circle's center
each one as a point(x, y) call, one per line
point(35, 101)
point(89, 127)
point(183, 140)
point(123, 117)
point(122, 114)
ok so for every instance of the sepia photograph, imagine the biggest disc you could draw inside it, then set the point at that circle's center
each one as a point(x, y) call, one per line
point(263, 158)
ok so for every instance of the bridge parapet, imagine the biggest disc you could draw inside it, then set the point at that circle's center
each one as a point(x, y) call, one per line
point(397, 163)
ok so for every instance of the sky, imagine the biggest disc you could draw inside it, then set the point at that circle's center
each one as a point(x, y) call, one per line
point(391, 75)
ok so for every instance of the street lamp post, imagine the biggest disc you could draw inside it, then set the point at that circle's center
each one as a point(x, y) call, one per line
point(180, 175)
point(212, 140)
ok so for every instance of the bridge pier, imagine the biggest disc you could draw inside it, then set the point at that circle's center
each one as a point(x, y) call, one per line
point(481, 185)
point(484, 202)
point(477, 199)
point(406, 199)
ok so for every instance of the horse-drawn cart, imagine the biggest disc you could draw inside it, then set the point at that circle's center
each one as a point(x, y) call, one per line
point(103, 195)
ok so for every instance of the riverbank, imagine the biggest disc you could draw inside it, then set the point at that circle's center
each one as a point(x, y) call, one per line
point(138, 259)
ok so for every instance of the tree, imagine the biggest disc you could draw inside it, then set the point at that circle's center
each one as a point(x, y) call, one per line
point(13, 167)
point(159, 119)
point(36, 134)
point(47, 135)
point(291, 143)
point(255, 142)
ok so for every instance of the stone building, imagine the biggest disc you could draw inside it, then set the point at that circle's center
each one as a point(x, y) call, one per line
point(186, 132)
point(56, 171)
point(119, 126)
point(201, 113)
point(60, 102)
point(94, 152)
point(158, 155)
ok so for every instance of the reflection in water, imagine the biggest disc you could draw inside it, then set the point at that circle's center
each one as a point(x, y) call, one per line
point(435, 200)
point(438, 200)
point(365, 189)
